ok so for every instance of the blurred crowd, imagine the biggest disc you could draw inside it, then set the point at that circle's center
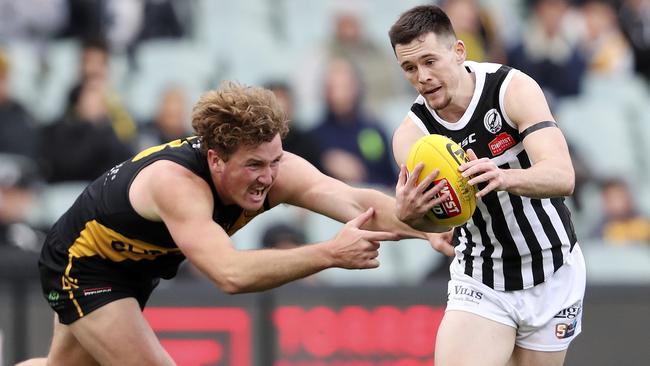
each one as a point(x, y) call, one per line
point(86, 83)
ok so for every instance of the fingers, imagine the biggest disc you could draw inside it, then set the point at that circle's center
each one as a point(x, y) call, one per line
point(362, 219)
point(471, 154)
point(375, 236)
point(403, 174)
point(412, 179)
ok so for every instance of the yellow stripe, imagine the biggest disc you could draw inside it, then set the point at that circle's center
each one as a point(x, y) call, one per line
point(76, 304)
point(97, 239)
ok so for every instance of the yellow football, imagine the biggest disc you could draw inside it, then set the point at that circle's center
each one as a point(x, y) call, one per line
point(437, 151)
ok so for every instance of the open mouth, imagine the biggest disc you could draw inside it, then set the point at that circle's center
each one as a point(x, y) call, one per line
point(257, 193)
point(432, 91)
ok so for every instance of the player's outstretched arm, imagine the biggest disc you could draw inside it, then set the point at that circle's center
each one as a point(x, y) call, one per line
point(183, 202)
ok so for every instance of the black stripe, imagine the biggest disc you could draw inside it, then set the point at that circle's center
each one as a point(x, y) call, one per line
point(551, 234)
point(513, 279)
point(425, 116)
point(488, 248)
point(535, 127)
point(565, 216)
point(547, 225)
point(537, 261)
point(467, 253)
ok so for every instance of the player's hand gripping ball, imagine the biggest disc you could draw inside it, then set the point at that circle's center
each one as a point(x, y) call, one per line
point(437, 151)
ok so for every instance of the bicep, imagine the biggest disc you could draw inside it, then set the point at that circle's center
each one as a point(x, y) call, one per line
point(185, 204)
point(526, 106)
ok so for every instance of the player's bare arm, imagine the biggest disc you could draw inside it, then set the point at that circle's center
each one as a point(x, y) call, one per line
point(320, 193)
point(551, 173)
point(184, 202)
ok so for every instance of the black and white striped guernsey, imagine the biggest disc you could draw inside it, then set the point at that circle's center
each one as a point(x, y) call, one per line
point(511, 242)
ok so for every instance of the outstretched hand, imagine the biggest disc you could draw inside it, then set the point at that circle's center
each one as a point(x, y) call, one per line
point(414, 200)
point(442, 242)
point(355, 248)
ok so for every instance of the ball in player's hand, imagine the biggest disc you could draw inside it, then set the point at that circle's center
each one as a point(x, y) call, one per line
point(437, 151)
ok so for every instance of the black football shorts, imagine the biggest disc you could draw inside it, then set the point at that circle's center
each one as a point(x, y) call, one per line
point(75, 286)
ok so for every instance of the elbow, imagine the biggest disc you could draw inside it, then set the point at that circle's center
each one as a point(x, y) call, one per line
point(230, 283)
point(569, 186)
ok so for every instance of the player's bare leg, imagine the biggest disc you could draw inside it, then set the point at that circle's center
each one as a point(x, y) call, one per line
point(118, 334)
point(64, 350)
point(526, 357)
point(468, 339)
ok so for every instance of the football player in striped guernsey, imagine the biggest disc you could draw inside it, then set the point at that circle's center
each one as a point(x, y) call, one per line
point(518, 276)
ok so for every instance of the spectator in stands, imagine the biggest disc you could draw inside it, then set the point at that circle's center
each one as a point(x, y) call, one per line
point(354, 148)
point(634, 18)
point(475, 26)
point(350, 41)
point(297, 141)
point(18, 179)
point(171, 122)
point(83, 144)
point(287, 236)
point(18, 131)
point(622, 222)
point(94, 64)
point(548, 50)
point(33, 21)
point(605, 46)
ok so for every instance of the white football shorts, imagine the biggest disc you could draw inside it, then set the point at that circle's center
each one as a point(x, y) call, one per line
point(547, 316)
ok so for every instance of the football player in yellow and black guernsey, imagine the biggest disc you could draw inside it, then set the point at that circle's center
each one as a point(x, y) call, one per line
point(139, 221)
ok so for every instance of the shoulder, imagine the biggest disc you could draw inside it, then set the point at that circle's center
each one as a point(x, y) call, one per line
point(525, 102)
point(163, 185)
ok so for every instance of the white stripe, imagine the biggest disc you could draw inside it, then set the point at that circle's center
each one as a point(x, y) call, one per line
point(502, 97)
point(498, 248)
point(517, 237)
point(418, 122)
point(538, 229)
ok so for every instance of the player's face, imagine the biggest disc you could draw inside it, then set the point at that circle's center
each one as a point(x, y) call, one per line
point(431, 65)
point(245, 179)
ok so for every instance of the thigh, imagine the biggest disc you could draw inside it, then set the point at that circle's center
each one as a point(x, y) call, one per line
point(469, 339)
point(527, 357)
point(66, 349)
point(118, 334)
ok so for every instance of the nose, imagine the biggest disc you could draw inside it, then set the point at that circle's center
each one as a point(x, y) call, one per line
point(423, 75)
point(266, 176)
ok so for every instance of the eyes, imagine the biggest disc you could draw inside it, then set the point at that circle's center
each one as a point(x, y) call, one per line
point(410, 68)
point(258, 164)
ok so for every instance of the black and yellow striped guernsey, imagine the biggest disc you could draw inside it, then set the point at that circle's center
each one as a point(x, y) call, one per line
point(102, 226)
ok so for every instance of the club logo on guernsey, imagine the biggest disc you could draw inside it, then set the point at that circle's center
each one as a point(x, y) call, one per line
point(492, 121)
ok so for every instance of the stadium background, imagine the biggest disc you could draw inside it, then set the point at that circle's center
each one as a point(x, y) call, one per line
point(385, 316)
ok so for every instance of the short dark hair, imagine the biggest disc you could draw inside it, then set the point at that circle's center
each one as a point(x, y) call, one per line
point(419, 21)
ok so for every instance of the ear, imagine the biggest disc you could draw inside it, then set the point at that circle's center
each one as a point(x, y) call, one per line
point(215, 162)
point(460, 53)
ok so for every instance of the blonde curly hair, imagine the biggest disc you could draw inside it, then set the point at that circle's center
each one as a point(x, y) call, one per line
point(234, 115)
